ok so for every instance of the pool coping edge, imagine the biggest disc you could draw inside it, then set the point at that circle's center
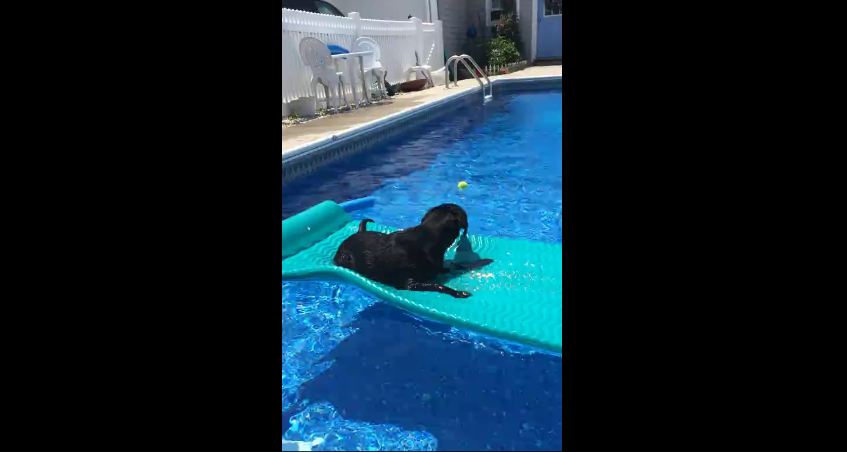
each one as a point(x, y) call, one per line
point(350, 134)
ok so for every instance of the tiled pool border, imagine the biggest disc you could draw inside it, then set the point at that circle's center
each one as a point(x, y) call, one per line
point(305, 159)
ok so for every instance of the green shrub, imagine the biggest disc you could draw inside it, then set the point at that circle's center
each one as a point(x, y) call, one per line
point(502, 51)
point(508, 27)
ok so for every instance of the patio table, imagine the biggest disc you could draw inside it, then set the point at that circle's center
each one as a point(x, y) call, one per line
point(356, 55)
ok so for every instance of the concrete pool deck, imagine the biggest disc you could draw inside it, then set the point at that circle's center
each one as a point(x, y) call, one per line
point(298, 135)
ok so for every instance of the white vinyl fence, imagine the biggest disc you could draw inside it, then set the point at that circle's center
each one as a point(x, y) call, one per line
point(398, 41)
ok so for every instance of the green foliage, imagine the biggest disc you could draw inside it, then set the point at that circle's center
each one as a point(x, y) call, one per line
point(501, 51)
point(508, 27)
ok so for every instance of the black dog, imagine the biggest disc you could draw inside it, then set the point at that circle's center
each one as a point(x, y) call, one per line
point(409, 259)
point(389, 88)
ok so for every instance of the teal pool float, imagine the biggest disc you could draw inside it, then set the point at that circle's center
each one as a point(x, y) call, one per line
point(517, 297)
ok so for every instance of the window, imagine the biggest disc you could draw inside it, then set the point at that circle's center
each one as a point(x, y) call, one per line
point(552, 7)
point(494, 9)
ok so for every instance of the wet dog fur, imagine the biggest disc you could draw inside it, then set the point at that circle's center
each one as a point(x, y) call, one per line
point(410, 259)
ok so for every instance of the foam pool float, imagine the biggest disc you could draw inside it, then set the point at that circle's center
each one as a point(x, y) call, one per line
point(517, 297)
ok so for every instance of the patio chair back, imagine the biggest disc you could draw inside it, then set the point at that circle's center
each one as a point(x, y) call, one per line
point(364, 44)
point(316, 55)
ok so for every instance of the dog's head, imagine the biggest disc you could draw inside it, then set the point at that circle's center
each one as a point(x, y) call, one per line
point(344, 258)
point(448, 219)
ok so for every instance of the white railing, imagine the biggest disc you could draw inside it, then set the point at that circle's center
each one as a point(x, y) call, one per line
point(398, 41)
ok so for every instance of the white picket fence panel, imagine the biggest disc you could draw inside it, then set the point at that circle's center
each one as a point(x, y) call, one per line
point(398, 41)
point(494, 69)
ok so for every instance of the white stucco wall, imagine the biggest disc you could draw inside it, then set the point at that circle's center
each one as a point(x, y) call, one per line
point(387, 9)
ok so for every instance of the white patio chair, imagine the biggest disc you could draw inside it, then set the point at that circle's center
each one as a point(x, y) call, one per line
point(373, 67)
point(316, 55)
point(423, 70)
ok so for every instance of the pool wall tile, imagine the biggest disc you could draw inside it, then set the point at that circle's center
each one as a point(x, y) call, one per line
point(306, 162)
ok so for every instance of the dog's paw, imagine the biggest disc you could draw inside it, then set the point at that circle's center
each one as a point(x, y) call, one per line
point(462, 294)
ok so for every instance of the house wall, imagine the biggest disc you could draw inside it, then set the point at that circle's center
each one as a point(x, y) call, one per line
point(458, 15)
point(526, 22)
point(549, 36)
point(386, 9)
point(453, 15)
point(475, 15)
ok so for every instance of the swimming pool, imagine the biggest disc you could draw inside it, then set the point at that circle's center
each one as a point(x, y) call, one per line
point(361, 374)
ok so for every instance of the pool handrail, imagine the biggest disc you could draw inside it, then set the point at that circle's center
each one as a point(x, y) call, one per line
point(455, 59)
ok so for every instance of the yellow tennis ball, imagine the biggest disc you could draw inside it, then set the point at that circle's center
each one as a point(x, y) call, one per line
point(462, 185)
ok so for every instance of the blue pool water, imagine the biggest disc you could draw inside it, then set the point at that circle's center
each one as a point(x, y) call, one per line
point(363, 375)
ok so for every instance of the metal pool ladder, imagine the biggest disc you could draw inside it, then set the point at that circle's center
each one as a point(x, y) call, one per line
point(464, 58)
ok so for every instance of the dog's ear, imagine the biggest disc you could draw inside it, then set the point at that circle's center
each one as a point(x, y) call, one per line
point(456, 222)
point(460, 216)
point(430, 214)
